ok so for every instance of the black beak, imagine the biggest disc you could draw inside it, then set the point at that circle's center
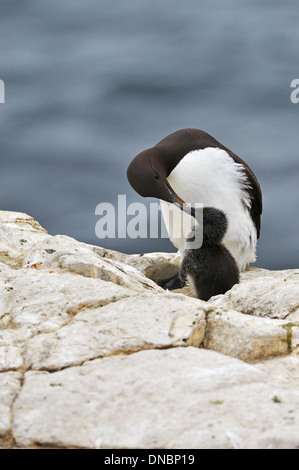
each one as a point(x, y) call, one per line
point(177, 201)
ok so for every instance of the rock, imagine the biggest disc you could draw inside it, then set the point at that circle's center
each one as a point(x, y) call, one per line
point(11, 357)
point(21, 220)
point(63, 253)
point(155, 266)
point(172, 398)
point(93, 353)
point(36, 301)
point(271, 294)
point(10, 384)
point(294, 336)
point(245, 337)
point(17, 233)
point(282, 370)
point(124, 327)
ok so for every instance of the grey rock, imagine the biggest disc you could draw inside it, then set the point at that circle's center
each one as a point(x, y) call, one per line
point(245, 337)
point(10, 384)
point(263, 293)
point(93, 353)
point(17, 233)
point(35, 301)
point(123, 327)
point(62, 253)
point(172, 398)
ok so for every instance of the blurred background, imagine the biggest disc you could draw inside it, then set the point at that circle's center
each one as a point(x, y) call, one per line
point(90, 84)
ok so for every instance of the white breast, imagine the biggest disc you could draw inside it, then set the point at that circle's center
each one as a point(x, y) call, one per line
point(211, 177)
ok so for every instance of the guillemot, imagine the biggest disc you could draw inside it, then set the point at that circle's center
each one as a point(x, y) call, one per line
point(210, 269)
point(189, 166)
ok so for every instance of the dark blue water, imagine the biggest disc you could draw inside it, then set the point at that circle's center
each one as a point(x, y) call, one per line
point(89, 84)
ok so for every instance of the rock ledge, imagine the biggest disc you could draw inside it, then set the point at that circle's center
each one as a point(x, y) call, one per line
point(94, 354)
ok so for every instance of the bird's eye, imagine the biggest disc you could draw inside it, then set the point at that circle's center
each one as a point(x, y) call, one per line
point(156, 175)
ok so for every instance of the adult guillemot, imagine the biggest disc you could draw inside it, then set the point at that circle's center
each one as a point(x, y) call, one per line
point(190, 166)
point(210, 269)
